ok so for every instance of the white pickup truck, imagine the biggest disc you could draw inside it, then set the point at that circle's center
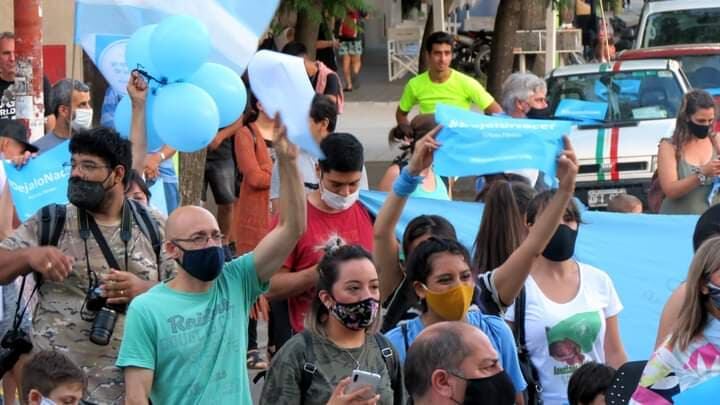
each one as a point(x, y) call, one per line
point(621, 110)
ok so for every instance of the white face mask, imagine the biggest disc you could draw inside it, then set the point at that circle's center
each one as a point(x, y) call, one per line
point(83, 119)
point(337, 201)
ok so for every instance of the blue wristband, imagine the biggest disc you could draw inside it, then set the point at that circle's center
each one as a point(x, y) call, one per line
point(405, 184)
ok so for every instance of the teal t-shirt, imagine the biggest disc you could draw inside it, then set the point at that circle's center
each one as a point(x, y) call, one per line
point(196, 343)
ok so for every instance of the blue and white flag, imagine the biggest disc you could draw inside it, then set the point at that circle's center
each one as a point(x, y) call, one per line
point(42, 181)
point(646, 256)
point(476, 144)
point(102, 28)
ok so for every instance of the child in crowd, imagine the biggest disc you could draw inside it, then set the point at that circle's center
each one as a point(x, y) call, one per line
point(588, 384)
point(50, 377)
point(625, 203)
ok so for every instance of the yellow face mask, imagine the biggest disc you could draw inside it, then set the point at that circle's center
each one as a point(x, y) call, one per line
point(452, 304)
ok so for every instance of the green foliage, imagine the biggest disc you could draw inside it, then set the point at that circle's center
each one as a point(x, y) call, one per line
point(317, 9)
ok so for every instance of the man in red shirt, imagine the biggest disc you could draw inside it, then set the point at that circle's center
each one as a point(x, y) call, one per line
point(333, 211)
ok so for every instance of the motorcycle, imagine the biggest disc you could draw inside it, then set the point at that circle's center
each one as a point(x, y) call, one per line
point(471, 52)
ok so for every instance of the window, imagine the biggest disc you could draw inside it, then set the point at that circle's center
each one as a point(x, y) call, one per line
point(703, 71)
point(616, 96)
point(682, 27)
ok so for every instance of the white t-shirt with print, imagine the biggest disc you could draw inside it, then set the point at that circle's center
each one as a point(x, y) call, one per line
point(562, 337)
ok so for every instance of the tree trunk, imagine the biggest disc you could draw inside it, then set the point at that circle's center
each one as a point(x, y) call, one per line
point(307, 28)
point(501, 60)
point(191, 172)
point(533, 18)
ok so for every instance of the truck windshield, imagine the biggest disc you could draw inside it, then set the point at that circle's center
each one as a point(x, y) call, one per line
point(612, 97)
point(682, 27)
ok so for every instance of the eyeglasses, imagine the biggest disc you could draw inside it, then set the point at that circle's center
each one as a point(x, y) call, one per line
point(84, 167)
point(202, 239)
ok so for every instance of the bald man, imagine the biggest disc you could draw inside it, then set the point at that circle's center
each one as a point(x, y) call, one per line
point(454, 363)
point(185, 340)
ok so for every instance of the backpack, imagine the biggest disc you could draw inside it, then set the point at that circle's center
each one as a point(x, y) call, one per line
point(528, 370)
point(391, 363)
point(52, 223)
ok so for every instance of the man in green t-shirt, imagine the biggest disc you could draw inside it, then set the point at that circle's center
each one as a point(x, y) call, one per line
point(185, 340)
point(441, 84)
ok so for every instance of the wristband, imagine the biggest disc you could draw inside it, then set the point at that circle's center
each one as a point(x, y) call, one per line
point(405, 184)
point(162, 156)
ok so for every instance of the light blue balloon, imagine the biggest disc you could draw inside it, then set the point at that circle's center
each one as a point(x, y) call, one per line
point(122, 116)
point(179, 45)
point(185, 116)
point(225, 87)
point(122, 120)
point(137, 52)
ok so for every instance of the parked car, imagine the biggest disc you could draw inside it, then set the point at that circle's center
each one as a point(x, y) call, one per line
point(622, 111)
point(674, 22)
point(700, 62)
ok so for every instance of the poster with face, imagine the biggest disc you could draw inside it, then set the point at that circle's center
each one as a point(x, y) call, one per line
point(571, 339)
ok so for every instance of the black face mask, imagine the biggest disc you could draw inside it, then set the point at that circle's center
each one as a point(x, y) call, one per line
point(495, 390)
point(539, 113)
point(562, 245)
point(204, 264)
point(699, 131)
point(86, 194)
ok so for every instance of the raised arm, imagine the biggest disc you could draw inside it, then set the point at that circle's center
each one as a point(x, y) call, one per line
point(138, 383)
point(275, 247)
point(137, 90)
point(510, 276)
point(385, 245)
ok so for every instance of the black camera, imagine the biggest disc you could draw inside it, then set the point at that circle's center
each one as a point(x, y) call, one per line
point(18, 343)
point(106, 314)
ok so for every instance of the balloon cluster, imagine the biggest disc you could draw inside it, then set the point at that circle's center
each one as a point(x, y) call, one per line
point(189, 97)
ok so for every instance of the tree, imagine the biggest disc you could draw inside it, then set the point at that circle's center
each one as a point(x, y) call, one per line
point(192, 180)
point(310, 14)
point(502, 58)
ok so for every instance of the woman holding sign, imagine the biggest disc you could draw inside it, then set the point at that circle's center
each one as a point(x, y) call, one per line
point(688, 162)
point(691, 354)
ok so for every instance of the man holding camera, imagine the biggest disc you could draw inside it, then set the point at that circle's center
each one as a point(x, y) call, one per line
point(92, 257)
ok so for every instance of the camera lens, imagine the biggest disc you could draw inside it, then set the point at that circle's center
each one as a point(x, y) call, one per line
point(103, 326)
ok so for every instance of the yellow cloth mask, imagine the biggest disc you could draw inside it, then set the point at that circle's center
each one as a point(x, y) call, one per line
point(452, 304)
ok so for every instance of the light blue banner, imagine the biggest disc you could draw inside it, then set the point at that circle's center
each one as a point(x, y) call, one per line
point(647, 256)
point(705, 393)
point(476, 144)
point(42, 181)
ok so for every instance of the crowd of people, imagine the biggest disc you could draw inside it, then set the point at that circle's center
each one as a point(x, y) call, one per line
point(106, 300)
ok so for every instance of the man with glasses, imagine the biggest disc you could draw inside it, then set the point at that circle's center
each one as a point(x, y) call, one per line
point(108, 253)
point(186, 340)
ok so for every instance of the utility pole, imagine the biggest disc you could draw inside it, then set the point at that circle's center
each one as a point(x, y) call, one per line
point(28, 86)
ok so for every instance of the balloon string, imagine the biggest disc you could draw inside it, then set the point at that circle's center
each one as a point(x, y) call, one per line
point(149, 77)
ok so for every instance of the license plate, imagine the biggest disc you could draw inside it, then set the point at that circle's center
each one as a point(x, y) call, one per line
point(600, 198)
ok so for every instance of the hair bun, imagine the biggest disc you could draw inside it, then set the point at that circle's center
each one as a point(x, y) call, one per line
point(333, 244)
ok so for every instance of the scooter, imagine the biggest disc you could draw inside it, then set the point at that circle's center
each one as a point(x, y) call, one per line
point(471, 53)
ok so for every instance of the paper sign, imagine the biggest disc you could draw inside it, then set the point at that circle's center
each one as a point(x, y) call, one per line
point(42, 181)
point(581, 109)
point(281, 84)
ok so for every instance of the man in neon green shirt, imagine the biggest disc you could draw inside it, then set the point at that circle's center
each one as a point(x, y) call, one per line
point(185, 340)
point(441, 84)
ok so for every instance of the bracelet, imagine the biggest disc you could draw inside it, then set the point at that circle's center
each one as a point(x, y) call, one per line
point(162, 156)
point(405, 184)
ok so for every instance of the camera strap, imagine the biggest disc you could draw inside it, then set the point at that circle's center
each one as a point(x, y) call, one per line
point(17, 321)
point(89, 226)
